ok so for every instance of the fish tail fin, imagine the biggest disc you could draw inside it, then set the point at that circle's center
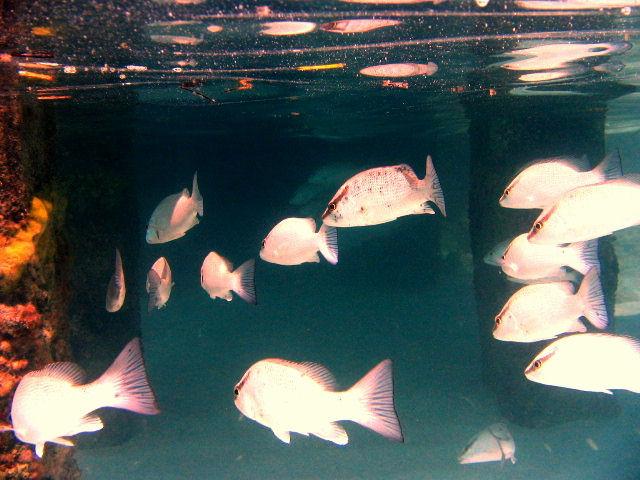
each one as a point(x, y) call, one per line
point(195, 195)
point(125, 384)
point(328, 243)
point(586, 256)
point(592, 296)
point(372, 398)
point(610, 167)
point(244, 284)
point(431, 183)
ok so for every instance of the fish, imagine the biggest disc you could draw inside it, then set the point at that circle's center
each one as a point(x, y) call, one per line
point(358, 25)
point(529, 261)
point(287, 28)
point(294, 241)
point(546, 310)
point(400, 70)
point(175, 215)
point(493, 444)
point(542, 183)
point(54, 403)
point(218, 278)
point(383, 194)
point(302, 398)
point(589, 212)
point(159, 284)
point(116, 289)
point(494, 256)
point(591, 362)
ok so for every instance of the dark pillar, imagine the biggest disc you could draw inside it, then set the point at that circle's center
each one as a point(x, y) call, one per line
point(33, 270)
point(505, 133)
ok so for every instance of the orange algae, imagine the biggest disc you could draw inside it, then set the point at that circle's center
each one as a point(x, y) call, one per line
point(17, 251)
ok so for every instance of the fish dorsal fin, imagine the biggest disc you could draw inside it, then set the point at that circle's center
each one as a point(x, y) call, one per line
point(66, 371)
point(409, 175)
point(227, 264)
point(315, 371)
point(311, 223)
point(318, 374)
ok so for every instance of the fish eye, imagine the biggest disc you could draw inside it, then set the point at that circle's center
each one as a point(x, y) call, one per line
point(236, 391)
point(263, 243)
point(506, 192)
point(503, 256)
point(538, 225)
point(498, 320)
point(537, 364)
point(332, 206)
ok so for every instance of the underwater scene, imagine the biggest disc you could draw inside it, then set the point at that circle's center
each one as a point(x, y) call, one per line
point(338, 239)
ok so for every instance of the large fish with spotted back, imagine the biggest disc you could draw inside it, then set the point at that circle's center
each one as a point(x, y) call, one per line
point(383, 194)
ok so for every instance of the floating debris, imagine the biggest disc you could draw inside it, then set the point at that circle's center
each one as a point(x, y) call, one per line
point(36, 76)
point(575, 4)
point(328, 66)
point(263, 11)
point(400, 70)
point(243, 84)
point(392, 84)
point(176, 39)
point(42, 31)
point(184, 63)
point(592, 444)
point(136, 68)
point(214, 28)
point(357, 26)
point(173, 23)
point(287, 28)
point(70, 69)
point(39, 65)
point(395, 2)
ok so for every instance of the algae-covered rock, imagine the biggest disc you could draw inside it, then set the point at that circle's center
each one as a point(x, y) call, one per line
point(17, 251)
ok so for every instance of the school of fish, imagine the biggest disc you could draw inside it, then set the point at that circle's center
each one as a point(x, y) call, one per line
point(557, 260)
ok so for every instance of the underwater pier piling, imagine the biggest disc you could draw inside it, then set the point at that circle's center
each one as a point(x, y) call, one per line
point(33, 276)
point(506, 133)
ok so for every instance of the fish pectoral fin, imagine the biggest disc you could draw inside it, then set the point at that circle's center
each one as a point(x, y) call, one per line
point(332, 432)
point(424, 207)
point(513, 460)
point(88, 423)
point(62, 441)
point(283, 435)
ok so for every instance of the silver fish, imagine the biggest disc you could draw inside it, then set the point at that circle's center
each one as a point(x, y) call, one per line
point(219, 279)
point(302, 398)
point(592, 362)
point(541, 184)
point(175, 215)
point(546, 310)
point(529, 261)
point(53, 403)
point(589, 212)
point(395, 70)
point(159, 284)
point(493, 444)
point(383, 194)
point(116, 289)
